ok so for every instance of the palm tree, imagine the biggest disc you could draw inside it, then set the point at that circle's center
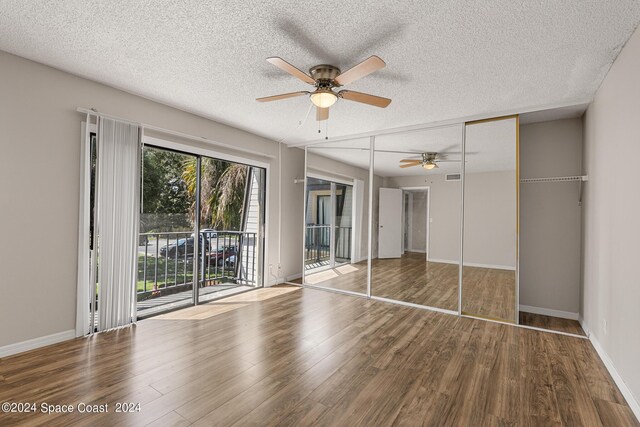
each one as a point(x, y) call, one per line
point(222, 187)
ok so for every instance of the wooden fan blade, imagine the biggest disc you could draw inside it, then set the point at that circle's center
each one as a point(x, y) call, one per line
point(409, 160)
point(366, 67)
point(282, 96)
point(285, 66)
point(322, 114)
point(365, 98)
point(408, 165)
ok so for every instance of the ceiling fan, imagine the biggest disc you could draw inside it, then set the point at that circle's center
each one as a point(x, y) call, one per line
point(325, 78)
point(429, 161)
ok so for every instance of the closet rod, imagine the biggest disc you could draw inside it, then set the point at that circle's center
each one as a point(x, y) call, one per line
point(579, 178)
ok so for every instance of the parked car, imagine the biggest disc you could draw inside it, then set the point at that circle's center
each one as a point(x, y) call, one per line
point(231, 262)
point(208, 233)
point(181, 247)
point(221, 255)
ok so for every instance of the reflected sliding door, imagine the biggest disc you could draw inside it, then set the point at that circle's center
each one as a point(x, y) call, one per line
point(336, 213)
point(328, 224)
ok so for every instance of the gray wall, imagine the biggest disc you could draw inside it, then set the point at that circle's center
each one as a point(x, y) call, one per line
point(611, 294)
point(550, 216)
point(490, 225)
point(39, 169)
point(490, 216)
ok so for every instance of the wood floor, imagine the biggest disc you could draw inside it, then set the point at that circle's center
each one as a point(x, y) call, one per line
point(551, 323)
point(487, 292)
point(291, 356)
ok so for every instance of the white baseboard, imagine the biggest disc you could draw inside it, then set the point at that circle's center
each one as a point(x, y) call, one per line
point(34, 343)
point(293, 277)
point(608, 363)
point(550, 312)
point(473, 264)
point(443, 261)
point(282, 280)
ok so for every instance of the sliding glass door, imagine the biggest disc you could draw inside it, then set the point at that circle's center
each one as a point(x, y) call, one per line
point(167, 230)
point(202, 221)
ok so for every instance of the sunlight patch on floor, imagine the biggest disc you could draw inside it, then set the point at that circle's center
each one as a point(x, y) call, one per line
point(345, 269)
point(214, 308)
point(315, 278)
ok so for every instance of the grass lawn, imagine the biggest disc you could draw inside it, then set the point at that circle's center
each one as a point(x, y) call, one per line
point(176, 272)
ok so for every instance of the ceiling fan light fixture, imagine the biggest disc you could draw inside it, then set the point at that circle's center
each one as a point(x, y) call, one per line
point(323, 99)
point(429, 165)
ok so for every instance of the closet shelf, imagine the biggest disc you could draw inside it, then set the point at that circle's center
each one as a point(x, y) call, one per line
point(555, 179)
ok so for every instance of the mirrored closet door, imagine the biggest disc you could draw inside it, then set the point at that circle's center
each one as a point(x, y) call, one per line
point(417, 217)
point(336, 235)
point(490, 255)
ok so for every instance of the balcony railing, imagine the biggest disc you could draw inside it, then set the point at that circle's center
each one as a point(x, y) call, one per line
point(165, 261)
point(318, 245)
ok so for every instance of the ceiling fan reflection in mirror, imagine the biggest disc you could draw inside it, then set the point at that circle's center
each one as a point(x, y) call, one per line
point(429, 161)
point(326, 78)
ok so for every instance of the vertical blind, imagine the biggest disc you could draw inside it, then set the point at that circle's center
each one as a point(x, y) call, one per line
point(117, 220)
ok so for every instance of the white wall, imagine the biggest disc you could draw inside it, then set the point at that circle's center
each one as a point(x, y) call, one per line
point(39, 168)
point(611, 245)
point(550, 216)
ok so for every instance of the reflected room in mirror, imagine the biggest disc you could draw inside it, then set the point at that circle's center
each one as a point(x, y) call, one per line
point(416, 250)
point(336, 216)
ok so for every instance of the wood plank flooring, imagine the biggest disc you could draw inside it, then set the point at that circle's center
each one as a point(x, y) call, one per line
point(551, 323)
point(290, 356)
point(487, 292)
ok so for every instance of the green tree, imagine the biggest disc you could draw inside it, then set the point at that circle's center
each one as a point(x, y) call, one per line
point(221, 193)
point(165, 199)
point(164, 190)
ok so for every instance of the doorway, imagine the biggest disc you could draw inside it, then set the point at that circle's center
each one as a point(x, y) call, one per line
point(416, 220)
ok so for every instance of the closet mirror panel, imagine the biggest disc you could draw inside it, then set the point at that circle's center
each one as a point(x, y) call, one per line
point(336, 215)
point(417, 217)
point(490, 257)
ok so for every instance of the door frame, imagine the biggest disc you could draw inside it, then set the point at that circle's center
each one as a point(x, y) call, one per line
point(427, 189)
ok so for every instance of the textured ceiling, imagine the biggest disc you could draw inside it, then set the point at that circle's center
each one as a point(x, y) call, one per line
point(445, 59)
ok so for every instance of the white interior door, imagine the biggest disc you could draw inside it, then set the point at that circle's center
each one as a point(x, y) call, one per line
point(390, 223)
